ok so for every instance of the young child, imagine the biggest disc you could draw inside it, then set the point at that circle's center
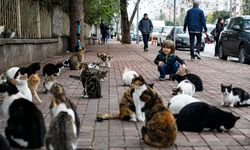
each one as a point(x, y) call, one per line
point(167, 61)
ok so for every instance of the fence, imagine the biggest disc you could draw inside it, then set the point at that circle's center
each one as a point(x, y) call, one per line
point(26, 18)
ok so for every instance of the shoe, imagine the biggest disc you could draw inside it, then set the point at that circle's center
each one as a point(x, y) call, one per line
point(216, 54)
point(146, 49)
point(192, 58)
point(161, 78)
point(198, 56)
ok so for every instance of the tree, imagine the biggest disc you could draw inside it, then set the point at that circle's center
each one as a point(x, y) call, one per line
point(212, 18)
point(245, 8)
point(76, 14)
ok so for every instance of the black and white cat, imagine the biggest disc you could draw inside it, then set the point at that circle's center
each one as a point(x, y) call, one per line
point(25, 124)
point(185, 87)
point(52, 69)
point(195, 79)
point(233, 96)
point(177, 102)
point(196, 116)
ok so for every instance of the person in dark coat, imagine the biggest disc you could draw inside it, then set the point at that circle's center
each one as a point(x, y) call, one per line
point(195, 21)
point(104, 32)
point(167, 61)
point(146, 27)
point(218, 29)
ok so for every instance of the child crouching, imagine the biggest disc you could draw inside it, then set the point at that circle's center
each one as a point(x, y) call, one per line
point(168, 63)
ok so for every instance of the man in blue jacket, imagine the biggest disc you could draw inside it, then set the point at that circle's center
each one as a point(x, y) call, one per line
point(146, 27)
point(195, 21)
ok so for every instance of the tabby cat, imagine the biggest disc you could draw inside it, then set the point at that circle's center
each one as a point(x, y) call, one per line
point(33, 83)
point(199, 115)
point(233, 96)
point(64, 127)
point(160, 129)
point(75, 61)
point(48, 82)
point(92, 86)
point(105, 59)
point(25, 124)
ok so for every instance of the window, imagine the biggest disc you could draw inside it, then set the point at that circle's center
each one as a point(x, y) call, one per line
point(247, 24)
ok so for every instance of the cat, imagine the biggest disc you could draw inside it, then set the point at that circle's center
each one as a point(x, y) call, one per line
point(128, 75)
point(94, 65)
point(176, 103)
point(126, 109)
point(25, 124)
point(11, 73)
point(75, 61)
point(105, 59)
point(233, 96)
point(196, 116)
point(64, 127)
point(31, 69)
point(92, 86)
point(4, 144)
point(184, 87)
point(65, 62)
point(48, 82)
point(140, 85)
point(33, 83)
point(160, 129)
point(22, 86)
point(58, 93)
point(195, 79)
point(51, 69)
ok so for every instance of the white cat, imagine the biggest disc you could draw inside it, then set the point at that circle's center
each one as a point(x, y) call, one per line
point(185, 87)
point(94, 66)
point(128, 76)
point(12, 72)
point(177, 102)
point(22, 86)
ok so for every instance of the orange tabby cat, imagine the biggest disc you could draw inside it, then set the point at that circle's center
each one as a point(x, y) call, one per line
point(33, 82)
point(76, 60)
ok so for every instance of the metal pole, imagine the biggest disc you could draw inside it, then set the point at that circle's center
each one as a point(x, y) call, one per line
point(137, 30)
point(230, 7)
point(174, 18)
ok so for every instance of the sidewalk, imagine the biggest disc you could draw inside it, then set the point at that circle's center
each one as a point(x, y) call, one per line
point(121, 135)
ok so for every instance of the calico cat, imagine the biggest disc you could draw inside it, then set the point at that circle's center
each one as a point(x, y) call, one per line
point(233, 96)
point(51, 69)
point(63, 130)
point(184, 87)
point(48, 82)
point(128, 75)
point(139, 85)
point(195, 79)
point(59, 95)
point(105, 59)
point(126, 109)
point(33, 83)
point(25, 124)
point(176, 103)
point(160, 129)
point(75, 61)
point(22, 86)
point(4, 144)
point(198, 115)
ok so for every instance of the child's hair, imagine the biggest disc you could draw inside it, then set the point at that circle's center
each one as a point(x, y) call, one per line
point(169, 44)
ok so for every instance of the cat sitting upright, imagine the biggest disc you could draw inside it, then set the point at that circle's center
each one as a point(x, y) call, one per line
point(25, 127)
point(75, 61)
point(128, 75)
point(64, 127)
point(160, 129)
point(199, 115)
point(233, 96)
point(52, 69)
point(105, 59)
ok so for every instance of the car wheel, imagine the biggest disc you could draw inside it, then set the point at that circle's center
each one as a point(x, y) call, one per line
point(242, 55)
point(221, 53)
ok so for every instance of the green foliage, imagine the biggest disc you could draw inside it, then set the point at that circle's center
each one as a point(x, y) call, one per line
point(96, 10)
point(169, 23)
point(245, 8)
point(212, 17)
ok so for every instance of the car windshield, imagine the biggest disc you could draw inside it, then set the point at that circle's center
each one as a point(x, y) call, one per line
point(247, 24)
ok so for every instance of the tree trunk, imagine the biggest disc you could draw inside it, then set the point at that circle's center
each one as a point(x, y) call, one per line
point(134, 11)
point(76, 14)
point(126, 39)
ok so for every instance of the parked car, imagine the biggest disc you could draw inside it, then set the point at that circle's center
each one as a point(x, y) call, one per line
point(235, 39)
point(162, 35)
point(209, 38)
point(182, 39)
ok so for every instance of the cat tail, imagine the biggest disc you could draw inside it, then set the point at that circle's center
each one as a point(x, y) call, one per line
point(101, 117)
point(75, 77)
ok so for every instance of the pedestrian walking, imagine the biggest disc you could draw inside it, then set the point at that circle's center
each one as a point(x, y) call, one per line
point(218, 29)
point(195, 21)
point(146, 27)
point(104, 32)
point(167, 61)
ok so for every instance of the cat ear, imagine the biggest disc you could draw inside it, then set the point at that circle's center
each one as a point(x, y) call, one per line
point(230, 85)
point(237, 117)
point(222, 85)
